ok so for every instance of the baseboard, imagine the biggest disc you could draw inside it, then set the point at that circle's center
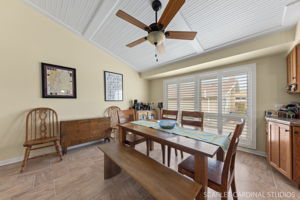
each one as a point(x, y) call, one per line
point(84, 144)
point(253, 151)
point(19, 159)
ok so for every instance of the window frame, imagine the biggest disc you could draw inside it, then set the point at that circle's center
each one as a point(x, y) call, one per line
point(250, 69)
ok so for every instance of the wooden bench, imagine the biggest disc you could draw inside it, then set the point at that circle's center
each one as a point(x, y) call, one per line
point(161, 182)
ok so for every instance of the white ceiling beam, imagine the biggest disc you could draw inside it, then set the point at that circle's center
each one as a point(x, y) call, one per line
point(196, 43)
point(104, 10)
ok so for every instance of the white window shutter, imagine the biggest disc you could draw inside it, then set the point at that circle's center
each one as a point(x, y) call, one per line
point(171, 96)
point(187, 91)
point(225, 96)
point(209, 95)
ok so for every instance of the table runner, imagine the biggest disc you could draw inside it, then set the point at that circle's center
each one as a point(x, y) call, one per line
point(216, 139)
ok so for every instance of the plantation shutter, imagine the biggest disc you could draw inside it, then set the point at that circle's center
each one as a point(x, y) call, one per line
point(225, 97)
point(209, 95)
point(208, 89)
point(187, 95)
point(235, 103)
point(234, 94)
point(172, 96)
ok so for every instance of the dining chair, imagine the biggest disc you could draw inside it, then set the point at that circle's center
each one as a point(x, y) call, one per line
point(42, 130)
point(220, 174)
point(125, 116)
point(168, 115)
point(193, 120)
point(112, 112)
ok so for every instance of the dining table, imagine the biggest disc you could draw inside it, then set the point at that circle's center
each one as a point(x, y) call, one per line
point(200, 149)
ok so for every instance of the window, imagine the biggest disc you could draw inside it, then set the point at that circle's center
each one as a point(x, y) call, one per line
point(225, 96)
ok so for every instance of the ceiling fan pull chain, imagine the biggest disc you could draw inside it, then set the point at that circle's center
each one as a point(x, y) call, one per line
point(156, 58)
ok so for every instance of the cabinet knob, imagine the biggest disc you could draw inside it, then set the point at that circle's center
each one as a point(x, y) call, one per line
point(296, 132)
point(287, 130)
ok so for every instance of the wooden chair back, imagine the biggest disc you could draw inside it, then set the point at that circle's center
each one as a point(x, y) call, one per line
point(169, 114)
point(125, 116)
point(194, 119)
point(229, 163)
point(112, 112)
point(41, 123)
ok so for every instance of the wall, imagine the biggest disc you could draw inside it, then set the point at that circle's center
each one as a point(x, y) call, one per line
point(28, 38)
point(271, 84)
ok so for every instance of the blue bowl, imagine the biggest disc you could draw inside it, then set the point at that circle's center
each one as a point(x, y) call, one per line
point(167, 124)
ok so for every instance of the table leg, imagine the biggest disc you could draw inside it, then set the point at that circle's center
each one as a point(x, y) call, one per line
point(111, 169)
point(122, 136)
point(163, 149)
point(152, 145)
point(220, 155)
point(201, 175)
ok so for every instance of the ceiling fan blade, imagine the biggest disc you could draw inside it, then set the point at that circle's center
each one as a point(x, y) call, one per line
point(170, 11)
point(161, 48)
point(181, 35)
point(139, 41)
point(123, 15)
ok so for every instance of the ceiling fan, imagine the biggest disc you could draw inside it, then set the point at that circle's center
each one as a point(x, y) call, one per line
point(156, 31)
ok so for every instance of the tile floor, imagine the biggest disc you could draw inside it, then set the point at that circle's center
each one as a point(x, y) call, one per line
point(80, 177)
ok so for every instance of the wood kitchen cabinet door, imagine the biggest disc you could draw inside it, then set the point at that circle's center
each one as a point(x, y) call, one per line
point(273, 144)
point(296, 154)
point(292, 67)
point(285, 150)
point(293, 70)
point(280, 148)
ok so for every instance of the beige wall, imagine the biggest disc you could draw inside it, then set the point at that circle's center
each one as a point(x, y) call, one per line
point(271, 84)
point(28, 38)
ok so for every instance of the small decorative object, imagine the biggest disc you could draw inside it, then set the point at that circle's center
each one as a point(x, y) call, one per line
point(167, 124)
point(160, 105)
point(271, 113)
point(151, 116)
point(113, 86)
point(58, 81)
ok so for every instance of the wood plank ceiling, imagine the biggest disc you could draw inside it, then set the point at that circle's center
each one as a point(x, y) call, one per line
point(219, 23)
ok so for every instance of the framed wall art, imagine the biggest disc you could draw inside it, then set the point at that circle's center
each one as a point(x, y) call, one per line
point(58, 81)
point(113, 86)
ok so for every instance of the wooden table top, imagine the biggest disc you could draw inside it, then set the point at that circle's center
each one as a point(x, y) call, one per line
point(185, 144)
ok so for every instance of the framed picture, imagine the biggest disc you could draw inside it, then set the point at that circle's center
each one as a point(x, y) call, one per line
point(58, 81)
point(113, 86)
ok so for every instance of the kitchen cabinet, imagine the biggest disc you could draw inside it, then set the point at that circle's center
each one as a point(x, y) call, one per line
point(283, 146)
point(296, 154)
point(280, 148)
point(293, 70)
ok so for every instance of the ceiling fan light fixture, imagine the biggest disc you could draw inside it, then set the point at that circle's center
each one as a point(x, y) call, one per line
point(156, 37)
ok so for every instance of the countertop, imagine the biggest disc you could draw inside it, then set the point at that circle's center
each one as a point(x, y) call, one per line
point(290, 122)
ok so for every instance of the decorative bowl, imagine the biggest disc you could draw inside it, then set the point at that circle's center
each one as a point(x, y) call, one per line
point(167, 124)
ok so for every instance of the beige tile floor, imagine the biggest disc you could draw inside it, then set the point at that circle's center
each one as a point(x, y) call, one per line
point(80, 176)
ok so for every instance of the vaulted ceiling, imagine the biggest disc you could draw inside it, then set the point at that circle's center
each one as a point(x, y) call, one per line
point(219, 23)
